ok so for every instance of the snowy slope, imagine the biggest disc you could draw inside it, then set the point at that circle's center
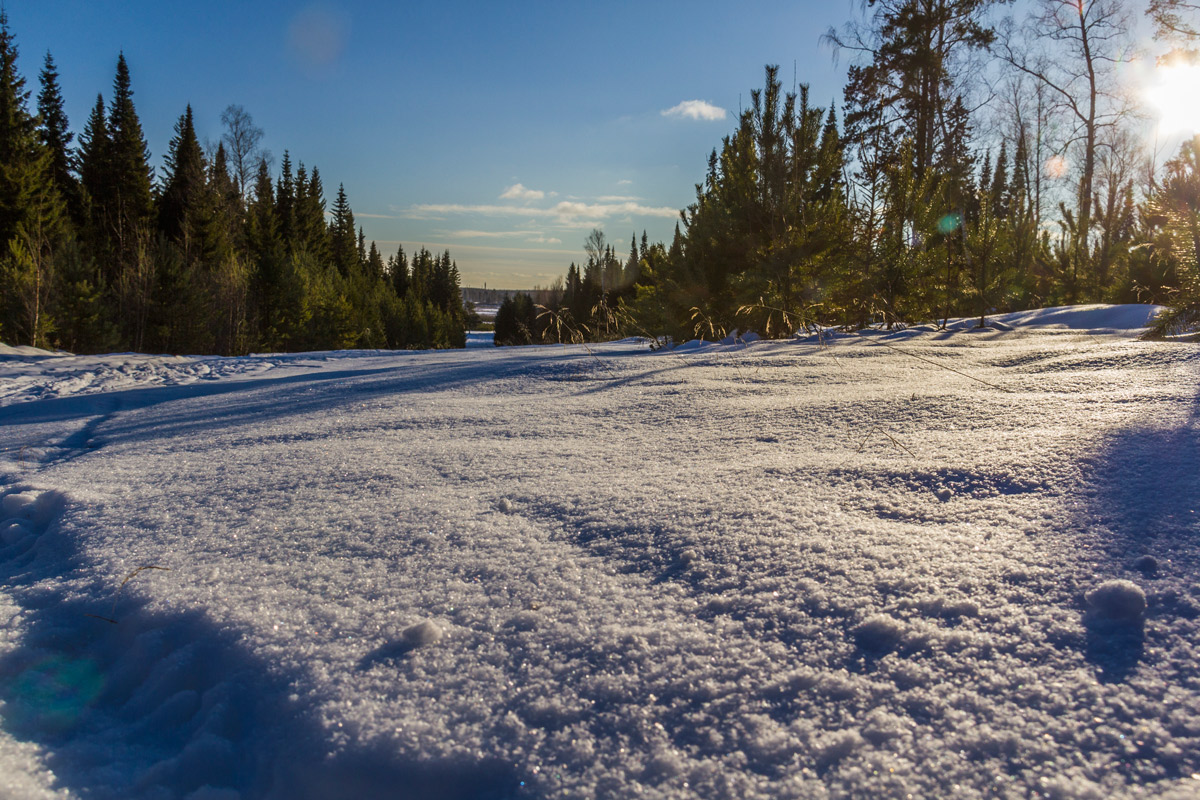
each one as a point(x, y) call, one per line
point(870, 565)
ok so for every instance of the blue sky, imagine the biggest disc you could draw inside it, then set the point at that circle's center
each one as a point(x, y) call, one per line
point(502, 131)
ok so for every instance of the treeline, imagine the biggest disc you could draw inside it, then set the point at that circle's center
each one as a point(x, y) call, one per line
point(216, 256)
point(917, 206)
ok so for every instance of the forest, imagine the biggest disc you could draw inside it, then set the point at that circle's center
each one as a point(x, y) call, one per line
point(979, 164)
point(976, 164)
point(214, 256)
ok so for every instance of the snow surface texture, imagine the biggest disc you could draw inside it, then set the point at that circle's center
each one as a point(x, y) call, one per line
point(956, 563)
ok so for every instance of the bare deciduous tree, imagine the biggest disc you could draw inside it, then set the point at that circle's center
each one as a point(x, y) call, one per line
point(1072, 49)
point(242, 139)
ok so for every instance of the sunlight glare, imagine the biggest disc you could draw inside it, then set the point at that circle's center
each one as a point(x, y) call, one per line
point(1175, 93)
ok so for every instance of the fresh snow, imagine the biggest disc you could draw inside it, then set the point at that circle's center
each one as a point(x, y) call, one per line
point(926, 563)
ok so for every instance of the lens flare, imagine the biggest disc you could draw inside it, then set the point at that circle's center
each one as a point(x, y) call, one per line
point(53, 693)
point(1055, 167)
point(949, 223)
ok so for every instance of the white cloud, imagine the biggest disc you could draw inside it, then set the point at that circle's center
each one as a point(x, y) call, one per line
point(617, 198)
point(624, 182)
point(695, 109)
point(519, 192)
point(545, 240)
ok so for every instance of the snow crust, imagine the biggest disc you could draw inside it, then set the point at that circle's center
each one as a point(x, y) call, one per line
point(937, 563)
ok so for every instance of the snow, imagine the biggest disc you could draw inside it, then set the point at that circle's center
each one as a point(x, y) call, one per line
point(874, 564)
point(1118, 600)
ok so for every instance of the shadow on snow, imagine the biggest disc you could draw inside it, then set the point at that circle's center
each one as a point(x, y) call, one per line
point(168, 704)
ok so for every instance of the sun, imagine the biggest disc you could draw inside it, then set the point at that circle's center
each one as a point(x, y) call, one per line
point(1175, 93)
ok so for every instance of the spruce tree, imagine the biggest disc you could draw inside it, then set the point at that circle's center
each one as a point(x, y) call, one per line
point(55, 134)
point(266, 253)
point(181, 204)
point(375, 267)
point(94, 149)
point(342, 236)
point(21, 154)
point(398, 272)
point(128, 203)
point(32, 218)
point(285, 199)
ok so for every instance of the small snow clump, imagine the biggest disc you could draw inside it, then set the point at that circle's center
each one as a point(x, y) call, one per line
point(879, 633)
point(422, 633)
point(505, 505)
point(12, 532)
point(1118, 600)
point(1147, 565)
point(18, 504)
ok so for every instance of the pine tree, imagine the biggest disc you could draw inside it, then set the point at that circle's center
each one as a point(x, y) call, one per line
point(266, 252)
point(21, 154)
point(94, 149)
point(56, 136)
point(375, 267)
point(180, 206)
point(631, 263)
point(998, 185)
point(285, 199)
point(342, 237)
point(32, 217)
point(310, 232)
point(398, 272)
point(127, 202)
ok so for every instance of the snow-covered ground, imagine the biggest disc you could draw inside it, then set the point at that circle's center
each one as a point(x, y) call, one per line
point(923, 563)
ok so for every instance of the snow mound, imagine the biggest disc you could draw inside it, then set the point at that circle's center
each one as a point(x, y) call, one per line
point(423, 633)
point(1129, 317)
point(879, 633)
point(1117, 600)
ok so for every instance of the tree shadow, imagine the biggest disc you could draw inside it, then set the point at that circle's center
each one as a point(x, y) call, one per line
point(1142, 520)
point(124, 700)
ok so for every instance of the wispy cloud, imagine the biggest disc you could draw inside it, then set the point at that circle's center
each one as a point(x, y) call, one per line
point(473, 234)
point(617, 198)
point(567, 213)
point(624, 182)
point(377, 216)
point(695, 109)
point(519, 192)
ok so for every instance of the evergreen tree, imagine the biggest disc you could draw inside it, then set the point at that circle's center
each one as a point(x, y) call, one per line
point(375, 267)
point(266, 253)
point(56, 136)
point(285, 199)
point(180, 205)
point(93, 162)
point(32, 218)
point(21, 154)
point(310, 231)
point(398, 272)
point(127, 201)
point(998, 185)
point(342, 238)
point(631, 263)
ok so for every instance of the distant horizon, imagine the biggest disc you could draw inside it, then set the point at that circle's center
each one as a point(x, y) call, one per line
point(501, 134)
